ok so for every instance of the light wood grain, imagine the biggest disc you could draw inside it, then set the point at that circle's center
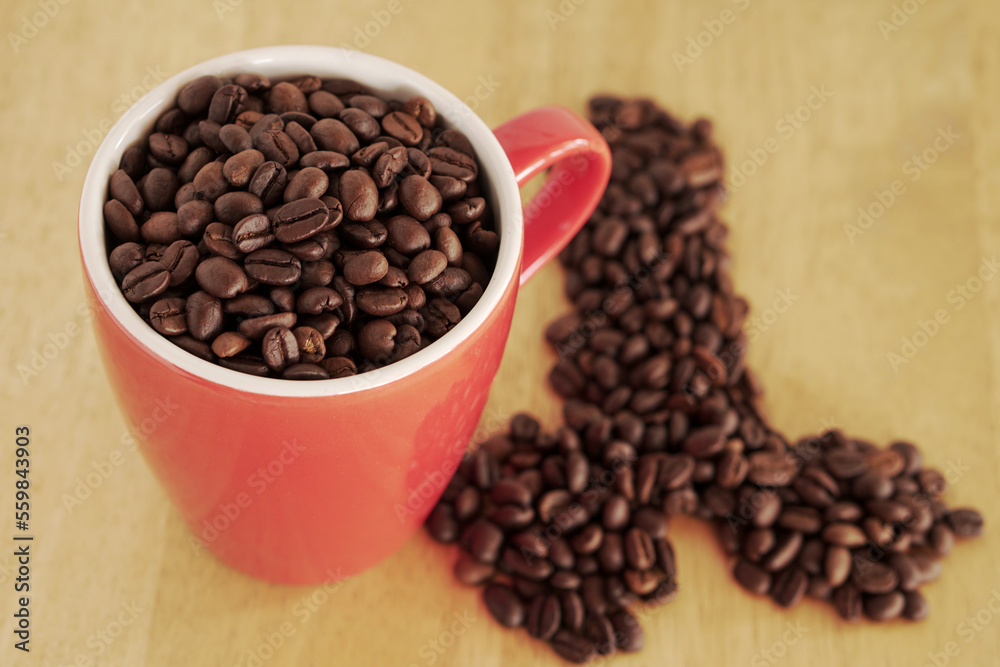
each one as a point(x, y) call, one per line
point(823, 362)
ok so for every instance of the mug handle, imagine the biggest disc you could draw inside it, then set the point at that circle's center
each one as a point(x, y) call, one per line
point(581, 165)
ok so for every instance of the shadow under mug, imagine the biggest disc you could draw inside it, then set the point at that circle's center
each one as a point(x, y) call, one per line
point(304, 482)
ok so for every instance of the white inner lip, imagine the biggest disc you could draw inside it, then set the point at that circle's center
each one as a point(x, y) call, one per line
point(384, 76)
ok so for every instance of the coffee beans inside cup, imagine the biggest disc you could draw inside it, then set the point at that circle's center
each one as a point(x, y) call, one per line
point(568, 531)
point(305, 229)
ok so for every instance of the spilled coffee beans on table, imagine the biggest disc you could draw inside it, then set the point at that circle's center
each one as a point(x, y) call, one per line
point(568, 532)
point(303, 229)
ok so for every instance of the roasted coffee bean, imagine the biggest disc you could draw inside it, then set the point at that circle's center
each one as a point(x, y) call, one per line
point(198, 348)
point(333, 135)
point(847, 602)
point(300, 220)
point(273, 267)
point(379, 301)
point(884, 607)
point(639, 549)
point(361, 123)
point(124, 190)
point(366, 268)
point(194, 216)
point(308, 183)
point(304, 371)
point(389, 165)
point(180, 259)
point(210, 183)
point(407, 236)
point(318, 300)
point(572, 647)
point(837, 565)
point(268, 182)
point(279, 348)
point(376, 340)
point(359, 195)
point(145, 281)
point(446, 161)
point(772, 468)
point(218, 240)
point(789, 586)
point(159, 188)
point(472, 572)
point(208, 132)
point(229, 343)
point(449, 283)
point(312, 347)
point(226, 103)
point(221, 277)
point(628, 632)
point(844, 534)
point(120, 222)
point(278, 147)
point(753, 578)
point(915, 606)
point(544, 616)
point(285, 97)
point(504, 605)
point(204, 316)
point(403, 127)
point(255, 327)
point(785, 550)
point(874, 577)
point(965, 523)
point(235, 138)
point(124, 258)
point(195, 97)
point(326, 161)
point(168, 316)
point(426, 267)
point(252, 233)
point(420, 199)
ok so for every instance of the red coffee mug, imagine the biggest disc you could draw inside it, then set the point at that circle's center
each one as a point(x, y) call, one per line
point(302, 482)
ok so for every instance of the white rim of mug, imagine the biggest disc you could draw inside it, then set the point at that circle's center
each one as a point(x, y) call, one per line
point(381, 75)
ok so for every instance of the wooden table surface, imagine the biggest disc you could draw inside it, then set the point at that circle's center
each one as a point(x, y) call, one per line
point(822, 108)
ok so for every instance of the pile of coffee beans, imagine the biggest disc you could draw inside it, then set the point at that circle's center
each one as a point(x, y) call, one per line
point(303, 229)
point(567, 531)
